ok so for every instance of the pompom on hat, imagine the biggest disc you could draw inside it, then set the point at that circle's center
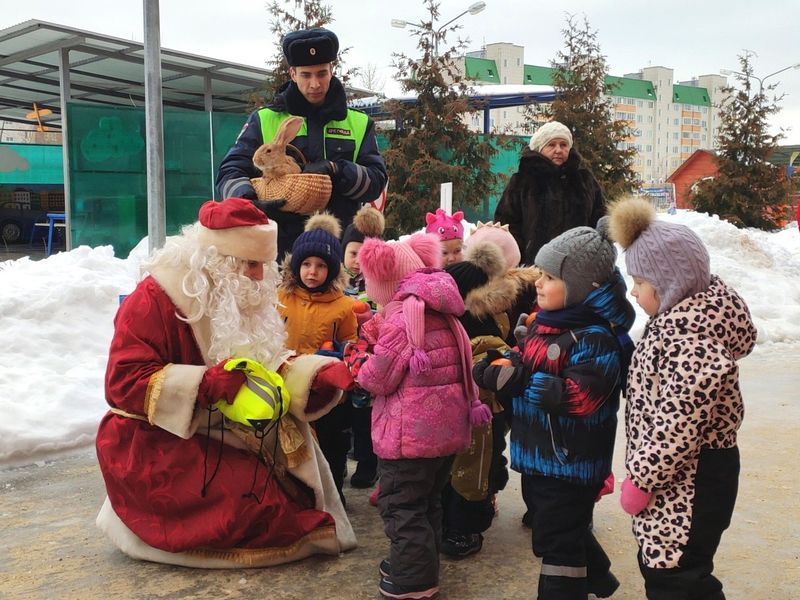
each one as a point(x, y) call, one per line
point(384, 264)
point(669, 256)
point(308, 47)
point(368, 222)
point(320, 238)
point(500, 235)
point(447, 227)
point(550, 131)
point(582, 257)
point(235, 227)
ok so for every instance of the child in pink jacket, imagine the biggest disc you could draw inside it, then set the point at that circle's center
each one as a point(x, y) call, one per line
point(420, 374)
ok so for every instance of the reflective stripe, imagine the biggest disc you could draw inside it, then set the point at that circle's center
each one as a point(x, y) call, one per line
point(229, 187)
point(563, 571)
point(271, 395)
point(360, 185)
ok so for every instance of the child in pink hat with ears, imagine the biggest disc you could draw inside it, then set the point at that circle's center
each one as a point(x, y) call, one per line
point(451, 234)
point(419, 370)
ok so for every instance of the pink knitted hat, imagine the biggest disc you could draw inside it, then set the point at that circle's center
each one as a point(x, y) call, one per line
point(384, 264)
point(445, 226)
point(500, 235)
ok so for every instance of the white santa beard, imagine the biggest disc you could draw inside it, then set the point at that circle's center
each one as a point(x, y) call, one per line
point(244, 320)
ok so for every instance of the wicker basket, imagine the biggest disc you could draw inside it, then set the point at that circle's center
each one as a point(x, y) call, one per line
point(305, 193)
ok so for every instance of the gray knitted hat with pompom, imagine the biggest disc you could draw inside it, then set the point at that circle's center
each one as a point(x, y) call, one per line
point(582, 257)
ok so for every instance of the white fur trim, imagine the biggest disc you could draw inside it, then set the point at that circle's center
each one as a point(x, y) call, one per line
point(256, 242)
point(172, 407)
point(298, 374)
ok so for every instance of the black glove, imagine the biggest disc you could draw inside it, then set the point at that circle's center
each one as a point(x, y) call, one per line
point(267, 206)
point(498, 373)
point(321, 167)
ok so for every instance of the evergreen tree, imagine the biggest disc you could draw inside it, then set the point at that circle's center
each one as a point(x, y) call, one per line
point(431, 144)
point(748, 191)
point(583, 103)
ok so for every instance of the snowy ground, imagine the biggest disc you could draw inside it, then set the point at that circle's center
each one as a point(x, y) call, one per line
point(56, 323)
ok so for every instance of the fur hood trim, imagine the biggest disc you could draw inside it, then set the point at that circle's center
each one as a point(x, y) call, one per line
point(500, 293)
point(288, 282)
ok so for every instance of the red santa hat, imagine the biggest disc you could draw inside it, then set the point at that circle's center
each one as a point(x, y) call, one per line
point(237, 228)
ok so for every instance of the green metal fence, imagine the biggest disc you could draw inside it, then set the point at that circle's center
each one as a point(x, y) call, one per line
point(108, 180)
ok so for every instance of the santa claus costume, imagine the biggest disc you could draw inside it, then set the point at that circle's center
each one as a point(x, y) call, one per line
point(185, 485)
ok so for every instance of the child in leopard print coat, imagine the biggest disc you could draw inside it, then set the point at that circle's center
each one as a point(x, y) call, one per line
point(684, 406)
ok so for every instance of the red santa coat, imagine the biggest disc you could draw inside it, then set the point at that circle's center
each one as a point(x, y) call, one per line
point(151, 448)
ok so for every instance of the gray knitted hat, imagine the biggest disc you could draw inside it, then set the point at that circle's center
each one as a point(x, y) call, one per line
point(582, 257)
point(669, 256)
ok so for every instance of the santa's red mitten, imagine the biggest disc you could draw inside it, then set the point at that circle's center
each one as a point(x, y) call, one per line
point(218, 384)
point(329, 380)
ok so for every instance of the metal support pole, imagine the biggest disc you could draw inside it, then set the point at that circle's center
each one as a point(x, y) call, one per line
point(208, 105)
point(154, 126)
point(64, 93)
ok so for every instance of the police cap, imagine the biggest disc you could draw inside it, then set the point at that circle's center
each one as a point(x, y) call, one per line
point(310, 47)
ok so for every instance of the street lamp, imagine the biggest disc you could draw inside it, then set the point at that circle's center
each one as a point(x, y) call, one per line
point(760, 80)
point(474, 9)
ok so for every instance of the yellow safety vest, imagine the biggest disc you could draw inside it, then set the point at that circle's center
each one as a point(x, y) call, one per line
point(353, 127)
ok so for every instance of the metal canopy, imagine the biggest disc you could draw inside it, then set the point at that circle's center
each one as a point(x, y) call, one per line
point(109, 70)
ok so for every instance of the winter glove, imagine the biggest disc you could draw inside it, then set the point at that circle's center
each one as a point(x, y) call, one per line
point(321, 167)
point(521, 329)
point(632, 499)
point(497, 373)
point(355, 355)
point(479, 413)
point(329, 380)
point(608, 487)
point(267, 206)
point(219, 384)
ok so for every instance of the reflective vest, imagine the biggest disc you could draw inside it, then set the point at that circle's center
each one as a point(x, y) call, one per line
point(353, 127)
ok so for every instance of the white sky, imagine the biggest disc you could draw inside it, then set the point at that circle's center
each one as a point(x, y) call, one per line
point(694, 38)
point(57, 324)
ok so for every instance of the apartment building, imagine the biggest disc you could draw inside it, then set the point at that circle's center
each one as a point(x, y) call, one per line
point(669, 119)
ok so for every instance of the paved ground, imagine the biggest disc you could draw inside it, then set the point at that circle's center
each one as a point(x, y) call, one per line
point(51, 549)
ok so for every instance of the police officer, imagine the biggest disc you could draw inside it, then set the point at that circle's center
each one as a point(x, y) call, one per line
point(336, 141)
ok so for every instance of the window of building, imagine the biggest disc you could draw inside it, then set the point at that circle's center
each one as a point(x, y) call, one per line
point(704, 110)
point(650, 104)
point(703, 124)
point(687, 121)
point(686, 148)
point(676, 107)
point(695, 121)
point(675, 135)
point(696, 136)
point(675, 149)
point(676, 122)
point(685, 134)
point(649, 118)
point(505, 62)
point(518, 60)
point(639, 118)
point(649, 163)
point(640, 103)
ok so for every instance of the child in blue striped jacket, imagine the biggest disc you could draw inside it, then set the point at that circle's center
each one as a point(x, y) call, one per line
point(566, 381)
